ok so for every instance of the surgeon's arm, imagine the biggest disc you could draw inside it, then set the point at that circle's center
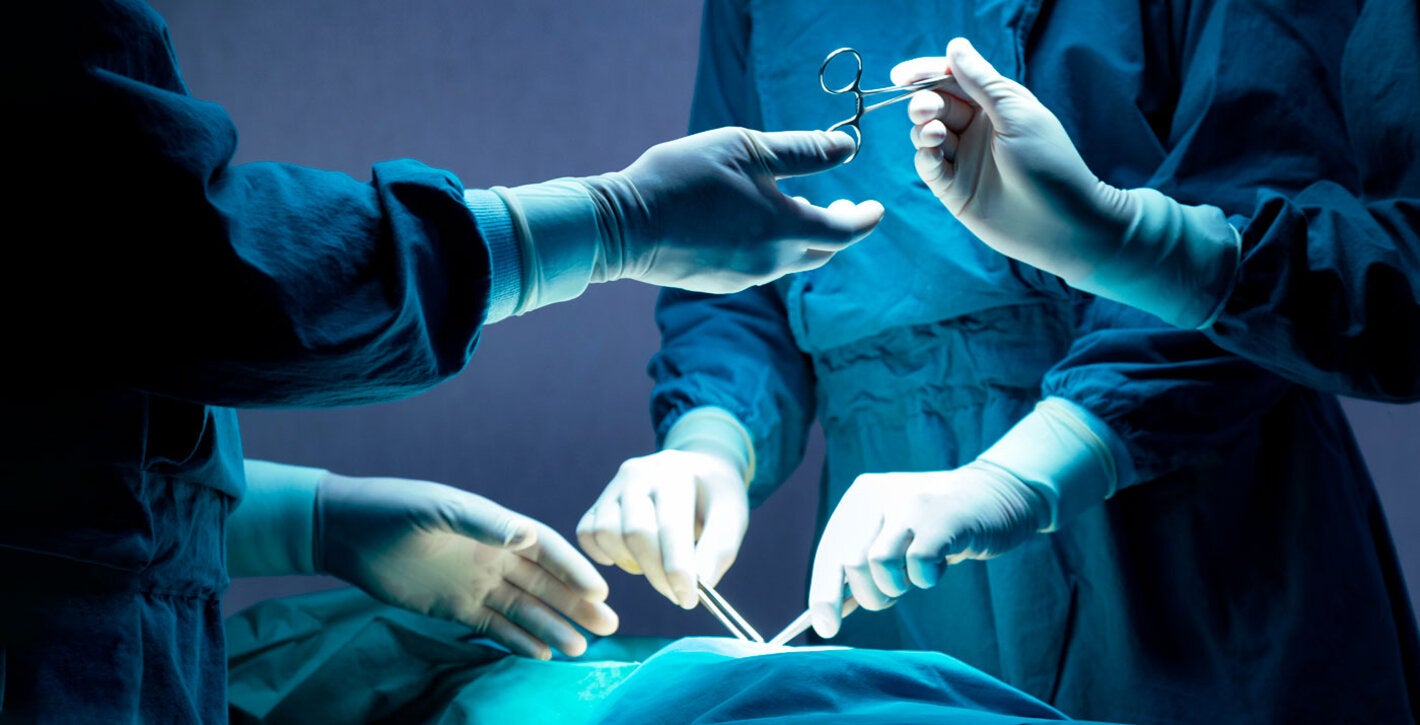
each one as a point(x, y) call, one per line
point(426, 547)
point(1321, 285)
point(257, 284)
point(732, 404)
point(1133, 401)
point(1328, 291)
point(733, 395)
point(895, 531)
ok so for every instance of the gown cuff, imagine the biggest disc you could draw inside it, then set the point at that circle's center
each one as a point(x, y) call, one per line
point(1067, 455)
point(272, 530)
point(716, 431)
point(496, 224)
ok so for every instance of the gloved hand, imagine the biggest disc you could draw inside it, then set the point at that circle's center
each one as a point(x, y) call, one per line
point(442, 551)
point(894, 531)
point(702, 213)
point(1005, 167)
point(677, 514)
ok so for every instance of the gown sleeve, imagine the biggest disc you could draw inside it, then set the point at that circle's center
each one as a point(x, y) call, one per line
point(733, 351)
point(1328, 292)
point(1241, 129)
point(159, 264)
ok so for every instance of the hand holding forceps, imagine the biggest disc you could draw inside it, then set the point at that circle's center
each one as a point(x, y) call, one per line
point(856, 88)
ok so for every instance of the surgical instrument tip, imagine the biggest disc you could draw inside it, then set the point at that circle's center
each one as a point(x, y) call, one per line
point(802, 623)
point(726, 614)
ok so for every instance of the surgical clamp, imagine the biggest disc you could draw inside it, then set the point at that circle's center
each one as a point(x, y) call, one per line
point(855, 87)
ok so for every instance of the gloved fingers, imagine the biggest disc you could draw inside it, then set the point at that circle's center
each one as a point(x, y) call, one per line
point(533, 616)
point(826, 594)
point(809, 259)
point(926, 561)
point(675, 524)
point(927, 135)
point(927, 106)
point(560, 559)
point(981, 82)
point(935, 170)
point(595, 616)
point(641, 534)
point(861, 584)
point(916, 69)
point(856, 522)
point(489, 622)
point(609, 526)
point(796, 153)
point(933, 135)
point(587, 538)
point(726, 520)
point(483, 520)
point(887, 560)
point(837, 228)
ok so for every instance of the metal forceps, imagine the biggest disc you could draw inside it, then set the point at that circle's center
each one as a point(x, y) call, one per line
point(860, 93)
point(726, 614)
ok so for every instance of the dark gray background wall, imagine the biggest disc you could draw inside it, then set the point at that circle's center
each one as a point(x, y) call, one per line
point(516, 92)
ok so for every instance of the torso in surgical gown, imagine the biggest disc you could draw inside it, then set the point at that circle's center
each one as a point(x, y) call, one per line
point(1251, 564)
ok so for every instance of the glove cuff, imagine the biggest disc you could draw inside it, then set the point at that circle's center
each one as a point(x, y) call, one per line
point(559, 236)
point(1176, 262)
point(1065, 454)
point(272, 530)
point(716, 431)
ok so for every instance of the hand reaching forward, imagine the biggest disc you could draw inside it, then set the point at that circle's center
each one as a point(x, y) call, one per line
point(448, 553)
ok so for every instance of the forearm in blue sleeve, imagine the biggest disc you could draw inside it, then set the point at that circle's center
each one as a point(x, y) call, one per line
point(735, 352)
point(1328, 294)
point(184, 274)
point(1171, 395)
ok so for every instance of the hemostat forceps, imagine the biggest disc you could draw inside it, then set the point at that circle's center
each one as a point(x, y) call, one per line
point(850, 125)
point(726, 614)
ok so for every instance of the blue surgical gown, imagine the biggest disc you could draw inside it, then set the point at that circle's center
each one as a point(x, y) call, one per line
point(1328, 292)
point(153, 286)
point(1250, 564)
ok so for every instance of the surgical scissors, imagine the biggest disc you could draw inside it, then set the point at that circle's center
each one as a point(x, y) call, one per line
point(726, 614)
point(855, 87)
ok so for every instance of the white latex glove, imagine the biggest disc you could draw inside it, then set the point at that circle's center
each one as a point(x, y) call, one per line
point(893, 531)
point(448, 553)
point(1004, 166)
point(678, 514)
point(702, 213)
point(705, 213)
